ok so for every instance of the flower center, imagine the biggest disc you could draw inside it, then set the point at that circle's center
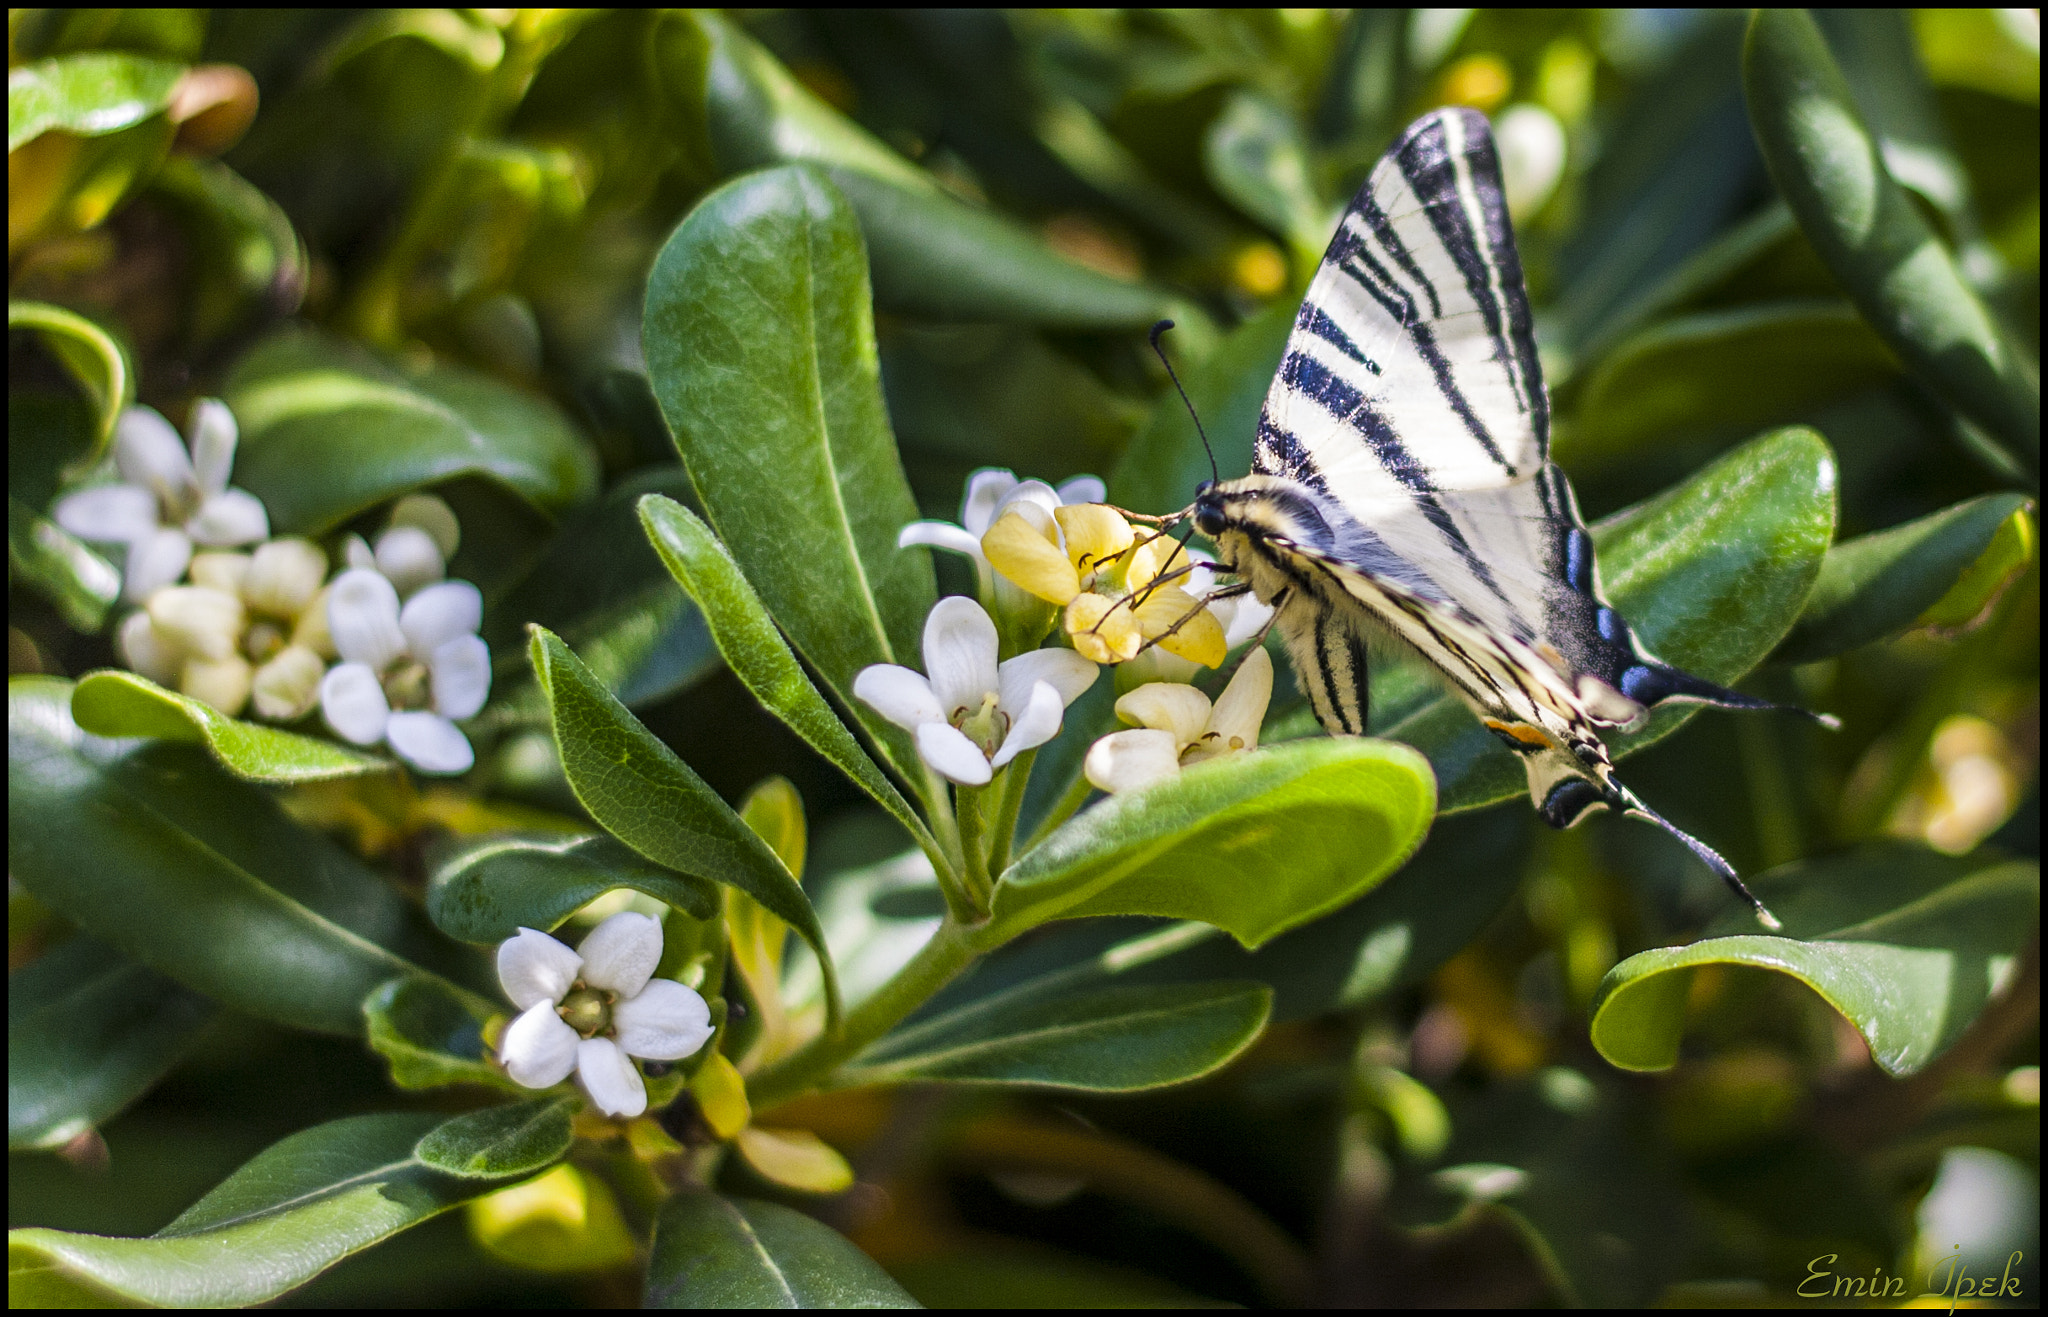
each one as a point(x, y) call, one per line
point(262, 641)
point(408, 684)
point(984, 726)
point(587, 1010)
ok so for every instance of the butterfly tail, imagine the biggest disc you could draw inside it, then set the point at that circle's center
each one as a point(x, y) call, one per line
point(1650, 683)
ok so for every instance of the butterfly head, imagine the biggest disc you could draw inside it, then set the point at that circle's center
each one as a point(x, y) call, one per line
point(1209, 511)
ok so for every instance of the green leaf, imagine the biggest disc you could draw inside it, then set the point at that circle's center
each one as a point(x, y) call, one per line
point(249, 261)
point(88, 1032)
point(1907, 944)
point(432, 1034)
point(292, 1211)
point(1969, 601)
point(1254, 844)
point(94, 356)
point(760, 345)
point(934, 255)
point(491, 888)
point(1164, 463)
point(89, 95)
point(328, 431)
point(1879, 247)
point(195, 874)
point(114, 703)
point(1257, 157)
point(1731, 369)
point(1711, 574)
point(716, 1252)
point(499, 1142)
point(82, 585)
point(651, 800)
point(1879, 584)
point(1110, 1040)
point(755, 651)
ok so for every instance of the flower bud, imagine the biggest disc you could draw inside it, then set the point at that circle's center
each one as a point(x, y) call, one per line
point(288, 685)
point(431, 515)
point(223, 683)
point(311, 628)
point(206, 622)
point(146, 650)
point(284, 575)
point(409, 558)
point(220, 571)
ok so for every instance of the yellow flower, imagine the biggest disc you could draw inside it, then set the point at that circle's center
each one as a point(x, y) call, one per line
point(1088, 559)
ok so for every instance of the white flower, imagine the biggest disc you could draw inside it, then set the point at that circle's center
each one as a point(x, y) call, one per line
point(591, 1012)
point(990, 492)
point(167, 499)
point(1178, 727)
point(407, 674)
point(972, 716)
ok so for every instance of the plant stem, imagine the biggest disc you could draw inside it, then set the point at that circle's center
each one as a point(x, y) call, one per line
point(1062, 810)
point(970, 805)
point(949, 951)
point(1003, 823)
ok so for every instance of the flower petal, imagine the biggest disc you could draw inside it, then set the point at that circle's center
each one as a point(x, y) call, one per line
point(146, 650)
point(1038, 723)
point(284, 575)
point(233, 516)
point(118, 514)
point(156, 560)
point(213, 444)
point(1095, 534)
point(439, 613)
point(539, 1049)
point(612, 1080)
point(221, 682)
point(1028, 557)
point(985, 490)
point(1160, 555)
point(1102, 629)
point(288, 684)
point(1031, 497)
point(902, 696)
point(1082, 489)
point(620, 954)
point(1065, 671)
point(1242, 705)
point(960, 653)
point(362, 616)
point(431, 514)
point(352, 704)
point(218, 569)
point(410, 558)
point(666, 1021)
point(941, 535)
point(1243, 617)
point(954, 757)
point(355, 553)
point(149, 453)
point(533, 968)
point(1195, 632)
point(1155, 664)
point(1170, 707)
point(461, 671)
point(1125, 761)
point(429, 742)
point(205, 622)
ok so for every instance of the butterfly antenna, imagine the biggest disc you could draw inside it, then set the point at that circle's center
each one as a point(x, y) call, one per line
point(1157, 330)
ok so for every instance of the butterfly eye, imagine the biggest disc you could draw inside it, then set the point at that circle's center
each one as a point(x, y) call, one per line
point(1208, 512)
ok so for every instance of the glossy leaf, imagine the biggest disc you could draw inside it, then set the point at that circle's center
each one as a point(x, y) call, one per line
point(328, 431)
point(1711, 574)
point(1111, 1040)
point(756, 651)
point(297, 1208)
point(649, 799)
point(87, 95)
point(794, 1159)
point(1254, 844)
point(1907, 944)
point(491, 888)
point(1969, 601)
point(432, 1034)
point(194, 874)
point(88, 1032)
point(1879, 247)
point(94, 356)
point(115, 703)
point(760, 346)
point(82, 585)
point(499, 1142)
point(1878, 584)
point(934, 255)
point(716, 1252)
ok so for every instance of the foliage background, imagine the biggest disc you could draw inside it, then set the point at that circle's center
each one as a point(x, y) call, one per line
point(470, 191)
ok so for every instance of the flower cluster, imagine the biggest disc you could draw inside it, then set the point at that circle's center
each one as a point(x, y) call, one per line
point(1126, 596)
point(230, 616)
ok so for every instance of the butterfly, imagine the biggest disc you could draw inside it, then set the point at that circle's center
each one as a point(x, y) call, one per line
point(1402, 487)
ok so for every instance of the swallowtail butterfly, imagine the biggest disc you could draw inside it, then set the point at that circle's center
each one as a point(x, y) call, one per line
point(1402, 486)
